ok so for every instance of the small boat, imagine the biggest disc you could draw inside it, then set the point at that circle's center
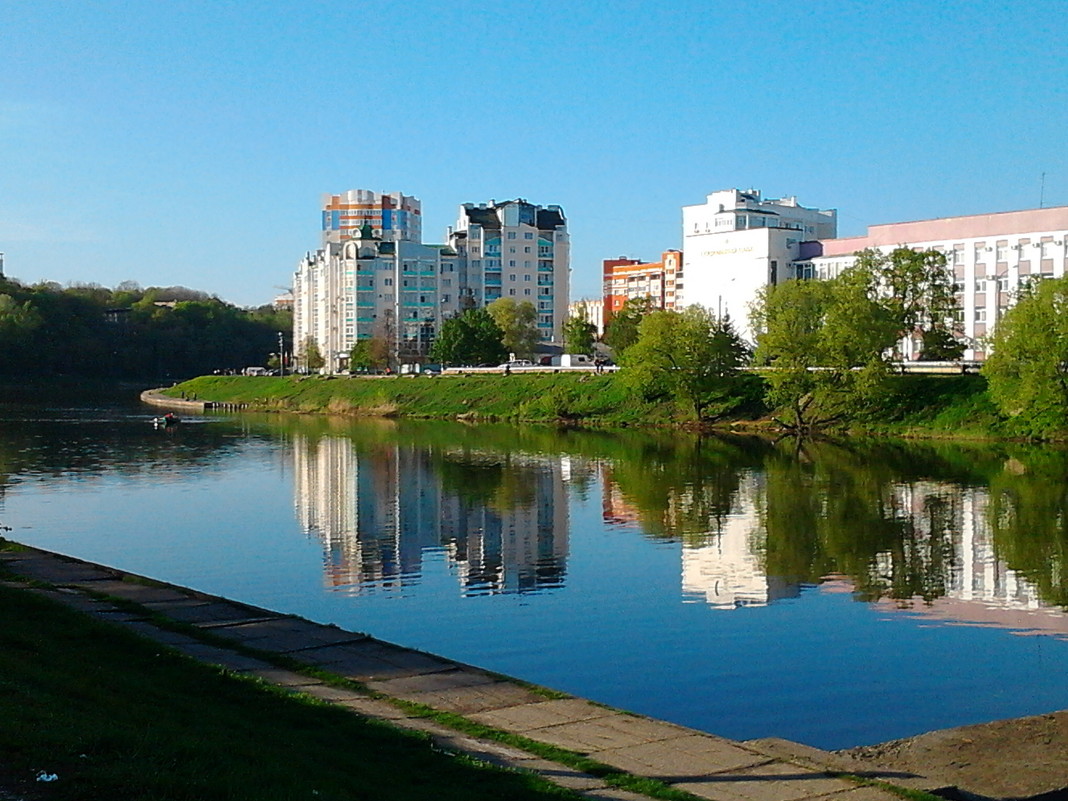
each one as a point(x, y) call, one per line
point(168, 420)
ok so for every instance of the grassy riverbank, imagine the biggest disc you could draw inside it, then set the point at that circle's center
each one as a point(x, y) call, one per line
point(528, 397)
point(915, 405)
point(112, 715)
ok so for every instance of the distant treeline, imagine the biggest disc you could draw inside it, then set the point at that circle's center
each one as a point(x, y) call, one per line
point(130, 332)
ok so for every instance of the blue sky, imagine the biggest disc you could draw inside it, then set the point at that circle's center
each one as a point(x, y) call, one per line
point(189, 142)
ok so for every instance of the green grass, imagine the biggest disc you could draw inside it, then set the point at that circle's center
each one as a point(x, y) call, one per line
point(531, 397)
point(946, 406)
point(116, 716)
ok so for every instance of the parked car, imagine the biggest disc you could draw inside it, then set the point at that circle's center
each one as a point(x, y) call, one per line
point(515, 363)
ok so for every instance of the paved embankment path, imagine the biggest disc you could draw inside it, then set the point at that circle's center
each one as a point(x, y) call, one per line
point(707, 766)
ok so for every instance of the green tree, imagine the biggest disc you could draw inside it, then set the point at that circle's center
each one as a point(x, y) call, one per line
point(360, 359)
point(472, 337)
point(621, 330)
point(691, 354)
point(519, 324)
point(1028, 370)
point(824, 344)
point(310, 356)
point(579, 335)
point(917, 290)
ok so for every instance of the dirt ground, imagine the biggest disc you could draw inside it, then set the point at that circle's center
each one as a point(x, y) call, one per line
point(1008, 759)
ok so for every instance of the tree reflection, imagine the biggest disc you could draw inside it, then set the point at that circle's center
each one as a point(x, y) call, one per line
point(1029, 518)
point(685, 487)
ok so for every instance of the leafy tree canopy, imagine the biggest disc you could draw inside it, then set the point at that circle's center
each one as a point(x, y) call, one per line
point(1028, 369)
point(89, 330)
point(692, 354)
point(917, 290)
point(472, 337)
point(519, 325)
point(621, 330)
point(824, 343)
point(579, 335)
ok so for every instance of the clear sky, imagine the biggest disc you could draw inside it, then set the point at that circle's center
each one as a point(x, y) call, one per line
point(189, 142)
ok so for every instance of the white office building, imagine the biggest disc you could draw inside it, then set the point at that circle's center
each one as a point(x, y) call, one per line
point(736, 242)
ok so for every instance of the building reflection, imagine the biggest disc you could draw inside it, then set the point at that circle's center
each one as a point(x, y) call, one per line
point(728, 571)
point(500, 522)
point(933, 554)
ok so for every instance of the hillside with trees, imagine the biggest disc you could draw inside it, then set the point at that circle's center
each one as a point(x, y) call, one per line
point(90, 331)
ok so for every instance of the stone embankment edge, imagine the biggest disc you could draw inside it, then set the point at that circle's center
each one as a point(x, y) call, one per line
point(155, 397)
point(395, 684)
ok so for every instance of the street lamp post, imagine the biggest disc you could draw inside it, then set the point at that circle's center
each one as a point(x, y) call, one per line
point(281, 356)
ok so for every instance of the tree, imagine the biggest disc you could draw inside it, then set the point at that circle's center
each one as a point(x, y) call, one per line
point(692, 354)
point(579, 335)
point(1027, 372)
point(518, 322)
point(309, 356)
point(824, 344)
point(363, 356)
point(472, 337)
point(917, 291)
point(621, 330)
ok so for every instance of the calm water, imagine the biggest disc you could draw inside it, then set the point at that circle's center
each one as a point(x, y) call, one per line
point(833, 595)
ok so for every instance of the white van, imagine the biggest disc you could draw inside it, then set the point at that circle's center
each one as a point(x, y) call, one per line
point(255, 371)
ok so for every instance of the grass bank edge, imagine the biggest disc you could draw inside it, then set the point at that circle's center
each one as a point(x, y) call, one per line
point(917, 406)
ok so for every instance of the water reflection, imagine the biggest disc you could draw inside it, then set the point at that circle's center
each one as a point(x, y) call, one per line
point(954, 531)
point(500, 519)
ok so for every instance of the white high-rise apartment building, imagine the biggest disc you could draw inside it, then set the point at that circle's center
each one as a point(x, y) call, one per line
point(515, 249)
point(737, 242)
point(373, 277)
point(376, 279)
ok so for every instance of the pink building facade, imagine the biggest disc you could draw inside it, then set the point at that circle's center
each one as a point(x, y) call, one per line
point(990, 255)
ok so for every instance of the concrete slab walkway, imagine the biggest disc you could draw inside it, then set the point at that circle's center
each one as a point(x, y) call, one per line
point(701, 764)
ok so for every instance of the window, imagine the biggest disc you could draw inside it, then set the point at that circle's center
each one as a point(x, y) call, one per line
point(388, 282)
point(526, 291)
point(980, 254)
point(980, 285)
point(1003, 283)
point(1047, 250)
point(511, 291)
point(511, 276)
point(526, 249)
point(511, 249)
point(511, 262)
point(980, 315)
point(528, 235)
point(511, 234)
point(958, 255)
point(1003, 253)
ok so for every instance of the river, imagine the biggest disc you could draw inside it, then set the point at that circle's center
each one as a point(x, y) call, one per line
point(833, 594)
